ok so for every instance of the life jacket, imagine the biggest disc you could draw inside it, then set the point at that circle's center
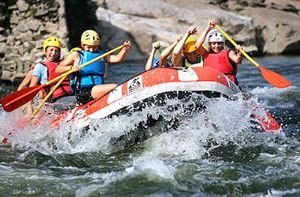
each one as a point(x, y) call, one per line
point(221, 62)
point(188, 64)
point(63, 89)
point(91, 74)
point(155, 62)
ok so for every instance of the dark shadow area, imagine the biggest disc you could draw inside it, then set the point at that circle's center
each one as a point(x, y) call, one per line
point(260, 43)
point(80, 16)
point(292, 49)
point(7, 87)
point(6, 13)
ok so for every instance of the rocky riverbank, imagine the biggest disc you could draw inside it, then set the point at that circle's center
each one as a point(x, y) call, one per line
point(260, 26)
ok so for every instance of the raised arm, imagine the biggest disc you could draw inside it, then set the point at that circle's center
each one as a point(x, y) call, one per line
point(121, 55)
point(176, 57)
point(200, 41)
point(165, 53)
point(155, 46)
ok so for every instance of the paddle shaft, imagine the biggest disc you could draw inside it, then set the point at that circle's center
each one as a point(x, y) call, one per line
point(83, 65)
point(48, 95)
point(19, 98)
point(235, 45)
point(272, 77)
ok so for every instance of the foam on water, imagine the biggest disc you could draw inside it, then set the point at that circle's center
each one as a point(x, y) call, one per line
point(218, 151)
point(151, 170)
point(221, 121)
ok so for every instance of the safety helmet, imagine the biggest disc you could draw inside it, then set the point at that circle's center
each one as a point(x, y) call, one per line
point(90, 37)
point(216, 37)
point(51, 42)
point(75, 49)
point(190, 44)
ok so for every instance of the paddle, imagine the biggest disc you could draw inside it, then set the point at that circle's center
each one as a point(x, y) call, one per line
point(48, 96)
point(19, 98)
point(272, 77)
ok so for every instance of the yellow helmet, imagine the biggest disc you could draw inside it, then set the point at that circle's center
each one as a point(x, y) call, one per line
point(51, 42)
point(75, 49)
point(90, 37)
point(190, 44)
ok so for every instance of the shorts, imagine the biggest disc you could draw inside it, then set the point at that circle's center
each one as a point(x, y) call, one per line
point(84, 95)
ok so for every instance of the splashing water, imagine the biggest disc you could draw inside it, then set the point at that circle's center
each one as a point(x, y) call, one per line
point(217, 150)
point(215, 121)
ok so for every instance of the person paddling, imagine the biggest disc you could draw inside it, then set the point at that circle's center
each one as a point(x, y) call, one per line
point(45, 70)
point(185, 53)
point(88, 83)
point(216, 56)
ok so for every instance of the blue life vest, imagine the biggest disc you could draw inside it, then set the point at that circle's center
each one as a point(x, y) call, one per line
point(155, 62)
point(91, 74)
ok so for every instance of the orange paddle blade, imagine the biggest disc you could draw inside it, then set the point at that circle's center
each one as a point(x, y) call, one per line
point(274, 78)
point(19, 98)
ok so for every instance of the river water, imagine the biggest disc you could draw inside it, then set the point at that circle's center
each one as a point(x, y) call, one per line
point(193, 159)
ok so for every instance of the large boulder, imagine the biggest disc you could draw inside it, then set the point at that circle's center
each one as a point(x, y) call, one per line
point(262, 27)
point(165, 20)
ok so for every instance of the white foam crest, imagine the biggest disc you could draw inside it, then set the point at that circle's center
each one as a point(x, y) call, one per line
point(229, 116)
point(9, 120)
point(21, 134)
point(97, 137)
point(152, 169)
point(222, 121)
point(177, 143)
point(3, 129)
point(283, 146)
point(6, 170)
point(274, 192)
point(33, 136)
point(270, 91)
point(102, 132)
point(273, 97)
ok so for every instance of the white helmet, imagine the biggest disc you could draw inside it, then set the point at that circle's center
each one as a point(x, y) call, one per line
point(216, 37)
